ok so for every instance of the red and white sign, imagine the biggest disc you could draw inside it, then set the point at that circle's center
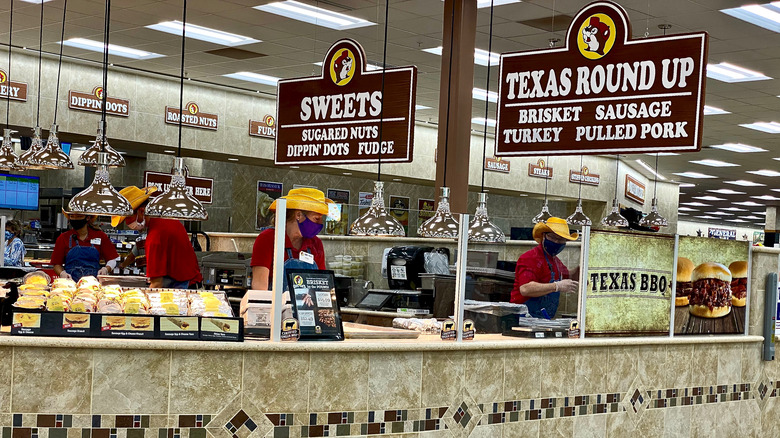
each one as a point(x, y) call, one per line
point(265, 128)
point(11, 89)
point(193, 117)
point(201, 188)
point(93, 102)
point(635, 190)
point(584, 177)
point(497, 165)
point(540, 170)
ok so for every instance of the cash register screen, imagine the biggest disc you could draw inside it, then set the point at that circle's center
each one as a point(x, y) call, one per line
point(374, 300)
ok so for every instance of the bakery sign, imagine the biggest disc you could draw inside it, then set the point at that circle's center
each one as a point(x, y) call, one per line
point(192, 117)
point(497, 165)
point(603, 92)
point(347, 114)
point(12, 90)
point(540, 169)
point(584, 177)
point(201, 188)
point(635, 190)
point(265, 128)
point(93, 102)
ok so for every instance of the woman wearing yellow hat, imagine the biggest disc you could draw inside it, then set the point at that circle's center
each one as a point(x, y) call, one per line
point(540, 276)
point(306, 209)
point(78, 252)
point(170, 259)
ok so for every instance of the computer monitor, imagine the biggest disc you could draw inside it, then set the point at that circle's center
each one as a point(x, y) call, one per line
point(19, 192)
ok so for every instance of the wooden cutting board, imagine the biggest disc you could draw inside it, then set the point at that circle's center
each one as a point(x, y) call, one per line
point(363, 331)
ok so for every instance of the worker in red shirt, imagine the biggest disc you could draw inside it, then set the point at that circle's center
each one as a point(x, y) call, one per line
point(170, 259)
point(78, 251)
point(306, 210)
point(540, 276)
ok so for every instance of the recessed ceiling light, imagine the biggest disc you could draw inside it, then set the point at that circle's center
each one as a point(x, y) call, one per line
point(745, 183)
point(731, 73)
point(766, 198)
point(113, 49)
point(203, 33)
point(712, 111)
point(169, 151)
point(764, 172)
point(769, 127)
point(295, 167)
point(663, 154)
point(481, 57)
point(761, 224)
point(726, 192)
point(696, 204)
point(713, 163)
point(737, 147)
point(686, 185)
point(761, 213)
point(736, 220)
point(766, 16)
point(481, 121)
point(347, 173)
point(314, 15)
point(254, 77)
point(720, 213)
point(421, 107)
point(709, 198)
point(232, 159)
point(749, 204)
point(37, 2)
point(751, 217)
point(694, 175)
point(486, 3)
point(650, 169)
point(481, 94)
point(733, 209)
point(682, 214)
point(686, 209)
point(397, 179)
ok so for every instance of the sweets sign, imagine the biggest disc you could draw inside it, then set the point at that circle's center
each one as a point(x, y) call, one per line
point(603, 92)
point(12, 90)
point(93, 102)
point(337, 118)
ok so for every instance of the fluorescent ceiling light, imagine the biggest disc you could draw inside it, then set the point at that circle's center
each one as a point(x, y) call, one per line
point(751, 217)
point(764, 172)
point(766, 16)
point(761, 213)
point(113, 49)
point(733, 209)
point(696, 204)
point(232, 159)
point(733, 73)
point(749, 204)
point(486, 3)
point(713, 111)
point(650, 169)
point(770, 127)
point(737, 147)
point(203, 33)
point(36, 2)
point(686, 209)
point(254, 77)
point(726, 192)
point(686, 185)
point(745, 183)
point(663, 154)
point(481, 121)
point(314, 15)
point(682, 214)
point(721, 213)
point(761, 224)
point(766, 198)
point(709, 198)
point(694, 175)
point(482, 94)
point(713, 163)
point(736, 220)
point(421, 107)
point(707, 217)
point(481, 57)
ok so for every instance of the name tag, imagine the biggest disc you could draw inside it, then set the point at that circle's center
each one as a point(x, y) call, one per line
point(306, 257)
point(95, 241)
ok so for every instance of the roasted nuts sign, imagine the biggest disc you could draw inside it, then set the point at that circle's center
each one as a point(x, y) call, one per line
point(265, 128)
point(584, 177)
point(540, 170)
point(347, 114)
point(201, 188)
point(635, 190)
point(192, 117)
point(603, 92)
point(497, 165)
point(12, 90)
point(93, 102)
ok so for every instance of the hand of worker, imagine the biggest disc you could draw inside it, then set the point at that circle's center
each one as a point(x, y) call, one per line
point(103, 271)
point(64, 274)
point(567, 286)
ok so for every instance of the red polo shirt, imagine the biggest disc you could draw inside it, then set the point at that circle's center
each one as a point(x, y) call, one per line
point(169, 251)
point(96, 238)
point(532, 266)
point(263, 250)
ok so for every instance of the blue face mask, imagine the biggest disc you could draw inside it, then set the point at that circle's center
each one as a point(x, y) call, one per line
point(8, 235)
point(553, 248)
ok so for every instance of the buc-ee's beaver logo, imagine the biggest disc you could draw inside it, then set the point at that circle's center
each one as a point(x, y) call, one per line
point(269, 120)
point(342, 67)
point(596, 36)
point(298, 280)
point(3, 77)
point(192, 108)
point(99, 92)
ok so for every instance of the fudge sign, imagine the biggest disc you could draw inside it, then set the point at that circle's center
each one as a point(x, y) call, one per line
point(603, 92)
point(347, 114)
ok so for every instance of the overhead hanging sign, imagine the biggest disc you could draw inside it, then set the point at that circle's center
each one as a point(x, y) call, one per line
point(540, 169)
point(201, 188)
point(635, 190)
point(584, 177)
point(265, 128)
point(348, 114)
point(604, 92)
point(193, 117)
point(497, 165)
point(722, 233)
point(12, 90)
point(93, 102)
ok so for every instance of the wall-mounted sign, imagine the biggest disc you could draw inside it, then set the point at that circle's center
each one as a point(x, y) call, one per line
point(267, 192)
point(497, 165)
point(93, 102)
point(265, 128)
point(364, 202)
point(635, 190)
point(540, 169)
point(426, 208)
point(722, 233)
point(603, 92)
point(11, 89)
point(193, 117)
point(201, 188)
point(336, 117)
point(338, 225)
point(584, 177)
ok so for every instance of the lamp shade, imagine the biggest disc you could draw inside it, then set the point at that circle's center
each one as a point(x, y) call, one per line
point(579, 217)
point(543, 215)
point(90, 156)
point(176, 202)
point(35, 147)
point(654, 219)
point(481, 229)
point(8, 158)
point(615, 219)
point(377, 221)
point(100, 198)
point(443, 224)
point(52, 156)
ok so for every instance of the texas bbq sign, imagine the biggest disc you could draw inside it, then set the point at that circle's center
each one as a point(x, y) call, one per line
point(335, 118)
point(604, 92)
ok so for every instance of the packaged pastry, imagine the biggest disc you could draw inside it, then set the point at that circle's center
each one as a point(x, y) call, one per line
point(64, 283)
point(39, 278)
point(168, 302)
point(30, 302)
point(32, 287)
point(33, 292)
point(89, 282)
point(209, 304)
point(109, 305)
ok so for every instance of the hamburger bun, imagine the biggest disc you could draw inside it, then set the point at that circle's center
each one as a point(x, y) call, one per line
point(680, 301)
point(684, 269)
point(739, 269)
point(738, 302)
point(711, 270)
point(76, 319)
point(116, 321)
point(705, 312)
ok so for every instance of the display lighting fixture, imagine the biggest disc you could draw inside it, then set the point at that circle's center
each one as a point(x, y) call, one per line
point(766, 198)
point(726, 192)
point(614, 218)
point(707, 217)
point(8, 157)
point(713, 111)
point(480, 94)
point(738, 147)
point(733, 209)
point(654, 218)
point(768, 127)
point(751, 217)
point(664, 154)
point(696, 204)
point(745, 183)
point(731, 73)
point(686, 185)
point(36, 2)
point(686, 209)
point(749, 204)
point(651, 170)
point(254, 77)
point(203, 33)
point(483, 121)
point(766, 15)
point(113, 49)
point(442, 224)
point(709, 198)
point(713, 163)
point(314, 15)
point(421, 107)
point(764, 172)
point(736, 220)
point(695, 175)
point(481, 57)
point(487, 3)
point(720, 213)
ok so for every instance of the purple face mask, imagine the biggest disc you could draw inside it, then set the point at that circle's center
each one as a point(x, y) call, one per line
point(309, 229)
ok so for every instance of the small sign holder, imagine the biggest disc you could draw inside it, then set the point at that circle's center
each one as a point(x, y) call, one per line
point(315, 306)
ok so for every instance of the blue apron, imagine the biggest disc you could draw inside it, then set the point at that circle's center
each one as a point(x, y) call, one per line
point(545, 306)
point(81, 261)
point(293, 263)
